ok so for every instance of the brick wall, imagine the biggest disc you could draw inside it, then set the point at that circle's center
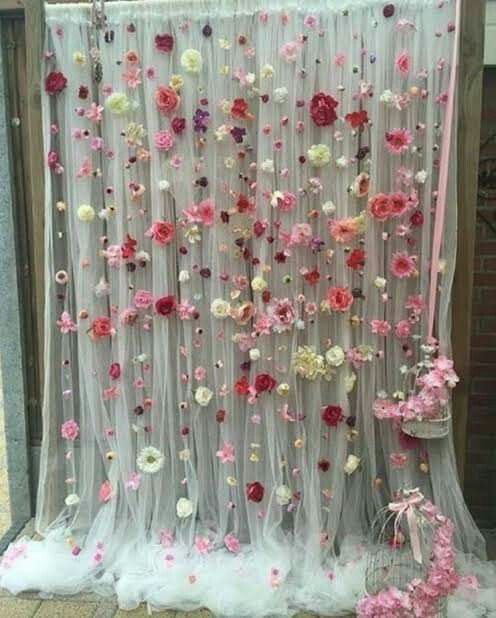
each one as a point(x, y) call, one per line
point(480, 474)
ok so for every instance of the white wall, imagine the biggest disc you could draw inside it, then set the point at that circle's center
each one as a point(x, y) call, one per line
point(490, 38)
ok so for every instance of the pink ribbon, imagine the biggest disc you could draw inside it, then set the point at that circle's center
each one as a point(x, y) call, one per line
point(443, 175)
point(407, 507)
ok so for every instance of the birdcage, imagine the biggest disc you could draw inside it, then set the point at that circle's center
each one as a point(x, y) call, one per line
point(428, 429)
point(401, 546)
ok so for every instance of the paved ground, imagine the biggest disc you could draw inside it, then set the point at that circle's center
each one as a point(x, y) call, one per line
point(4, 482)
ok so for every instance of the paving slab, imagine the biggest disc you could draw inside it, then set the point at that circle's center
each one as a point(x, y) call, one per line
point(18, 608)
point(66, 609)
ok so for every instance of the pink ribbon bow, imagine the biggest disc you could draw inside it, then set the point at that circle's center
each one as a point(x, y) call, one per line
point(407, 507)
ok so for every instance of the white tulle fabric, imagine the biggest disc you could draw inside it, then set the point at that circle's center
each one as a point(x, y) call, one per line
point(284, 562)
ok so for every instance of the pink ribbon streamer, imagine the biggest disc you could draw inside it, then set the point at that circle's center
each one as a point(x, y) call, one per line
point(407, 507)
point(443, 175)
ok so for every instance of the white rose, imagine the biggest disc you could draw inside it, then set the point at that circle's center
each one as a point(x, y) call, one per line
point(351, 464)
point(280, 94)
point(191, 61)
point(267, 71)
point(258, 284)
point(319, 155)
point(342, 162)
point(203, 395)
point(184, 508)
point(267, 166)
point(72, 499)
point(283, 495)
point(380, 282)
point(328, 208)
point(421, 177)
point(86, 213)
point(220, 308)
point(254, 354)
point(387, 97)
point(164, 185)
point(184, 276)
point(335, 356)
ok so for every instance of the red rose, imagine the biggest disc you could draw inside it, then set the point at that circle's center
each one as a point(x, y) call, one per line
point(255, 491)
point(240, 110)
point(417, 218)
point(220, 416)
point(115, 371)
point(167, 100)
point(83, 92)
point(101, 328)
point(55, 82)
point(323, 109)
point(380, 206)
point(357, 119)
point(259, 228)
point(356, 259)
point(178, 125)
point(165, 306)
point(332, 415)
point(164, 43)
point(241, 386)
point(264, 382)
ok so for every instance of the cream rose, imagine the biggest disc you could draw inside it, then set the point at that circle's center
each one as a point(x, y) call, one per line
point(86, 213)
point(258, 284)
point(351, 464)
point(319, 155)
point(283, 389)
point(191, 61)
point(283, 495)
point(184, 508)
point(335, 356)
point(203, 395)
point(349, 382)
point(220, 308)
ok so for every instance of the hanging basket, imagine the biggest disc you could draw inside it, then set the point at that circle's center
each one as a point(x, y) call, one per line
point(428, 429)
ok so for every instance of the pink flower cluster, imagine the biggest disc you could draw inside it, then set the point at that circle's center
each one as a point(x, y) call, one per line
point(421, 598)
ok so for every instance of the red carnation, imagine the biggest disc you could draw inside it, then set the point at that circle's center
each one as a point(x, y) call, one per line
point(264, 382)
point(166, 305)
point(357, 119)
point(332, 415)
point(240, 110)
point(323, 109)
point(55, 82)
point(241, 386)
point(164, 43)
point(356, 259)
point(255, 491)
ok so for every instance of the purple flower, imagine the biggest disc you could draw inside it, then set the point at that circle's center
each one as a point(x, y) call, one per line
point(201, 120)
point(316, 244)
point(238, 134)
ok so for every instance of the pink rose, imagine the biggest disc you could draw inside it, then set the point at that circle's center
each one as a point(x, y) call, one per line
point(143, 299)
point(380, 206)
point(164, 140)
point(105, 493)
point(232, 543)
point(339, 298)
point(69, 430)
point(162, 232)
point(167, 100)
point(402, 329)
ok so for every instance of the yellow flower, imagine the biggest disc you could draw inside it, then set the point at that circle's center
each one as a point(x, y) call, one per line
point(308, 364)
point(176, 82)
point(319, 155)
point(231, 481)
point(267, 71)
point(283, 389)
point(79, 58)
point(118, 103)
point(224, 44)
point(86, 213)
point(191, 61)
point(224, 70)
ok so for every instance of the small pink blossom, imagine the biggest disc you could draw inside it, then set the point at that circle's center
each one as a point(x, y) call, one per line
point(398, 460)
point(143, 299)
point(69, 430)
point(164, 140)
point(132, 77)
point(232, 543)
point(106, 492)
point(403, 63)
point(66, 324)
point(226, 453)
point(204, 212)
point(203, 545)
point(403, 265)
point(380, 327)
point(94, 112)
point(398, 140)
point(402, 329)
point(290, 51)
point(133, 482)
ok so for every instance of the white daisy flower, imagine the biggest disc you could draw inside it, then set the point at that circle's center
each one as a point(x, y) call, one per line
point(150, 460)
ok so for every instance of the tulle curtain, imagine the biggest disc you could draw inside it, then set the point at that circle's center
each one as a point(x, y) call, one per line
point(258, 400)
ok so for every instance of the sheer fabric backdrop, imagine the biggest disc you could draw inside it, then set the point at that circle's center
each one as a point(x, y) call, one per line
point(302, 544)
